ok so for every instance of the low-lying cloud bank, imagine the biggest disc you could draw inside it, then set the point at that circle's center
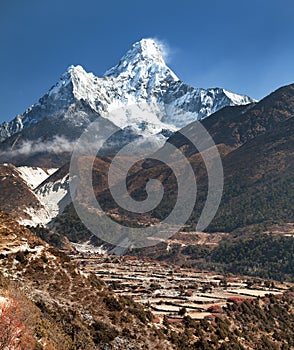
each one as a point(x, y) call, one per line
point(59, 144)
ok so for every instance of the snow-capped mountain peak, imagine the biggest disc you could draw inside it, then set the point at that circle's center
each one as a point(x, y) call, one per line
point(236, 99)
point(144, 58)
point(141, 77)
point(75, 74)
point(78, 78)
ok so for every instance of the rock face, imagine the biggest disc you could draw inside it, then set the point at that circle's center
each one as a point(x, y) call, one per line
point(141, 77)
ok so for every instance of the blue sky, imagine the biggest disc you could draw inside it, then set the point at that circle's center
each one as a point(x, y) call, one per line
point(246, 47)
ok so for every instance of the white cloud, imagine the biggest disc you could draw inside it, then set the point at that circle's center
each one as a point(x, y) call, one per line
point(58, 144)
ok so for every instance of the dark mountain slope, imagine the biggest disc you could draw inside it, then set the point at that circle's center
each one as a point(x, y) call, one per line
point(259, 181)
point(256, 146)
point(234, 126)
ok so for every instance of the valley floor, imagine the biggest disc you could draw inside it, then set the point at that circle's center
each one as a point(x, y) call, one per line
point(171, 291)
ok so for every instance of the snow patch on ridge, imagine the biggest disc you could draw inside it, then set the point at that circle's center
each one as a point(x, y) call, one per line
point(37, 217)
point(34, 176)
point(237, 99)
point(54, 196)
point(87, 247)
